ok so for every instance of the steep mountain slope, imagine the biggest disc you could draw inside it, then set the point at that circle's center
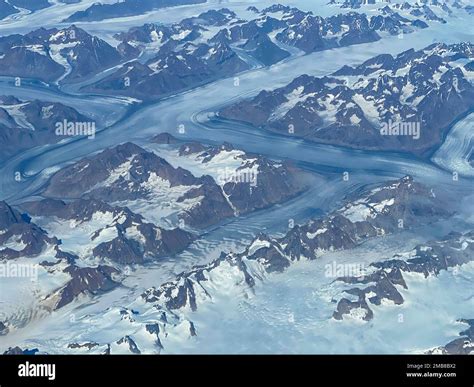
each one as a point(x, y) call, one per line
point(52, 55)
point(29, 123)
point(387, 103)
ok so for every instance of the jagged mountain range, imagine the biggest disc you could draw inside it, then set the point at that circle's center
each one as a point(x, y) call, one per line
point(218, 44)
point(59, 55)
point(197, 50)
point(110, 212)
point(62, 280)
point(113, 233)
point(374, 212)
point(415, 96)
point(105, 232)
point(28, 123)
point(146, 182)
point(100, 11)
point(378, 285)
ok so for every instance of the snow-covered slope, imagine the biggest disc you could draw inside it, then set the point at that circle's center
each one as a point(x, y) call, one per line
point(171, 307)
